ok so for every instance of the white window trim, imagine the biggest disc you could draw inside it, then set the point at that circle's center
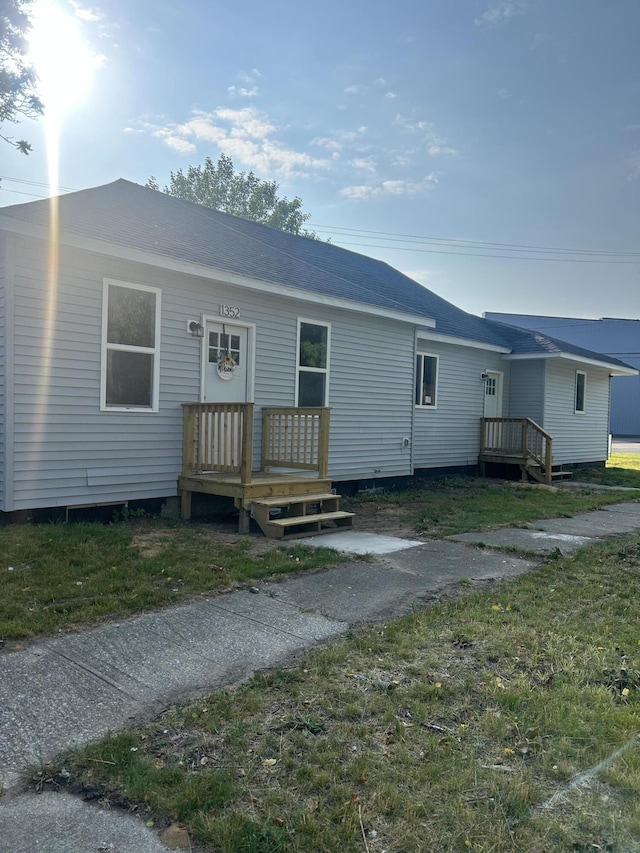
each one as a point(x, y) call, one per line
point(583, 410)
point(324, 370)
point(428, 406)
point(155, 351)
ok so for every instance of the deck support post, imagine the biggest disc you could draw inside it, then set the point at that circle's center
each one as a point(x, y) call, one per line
point(185, 505)
point(244, 521)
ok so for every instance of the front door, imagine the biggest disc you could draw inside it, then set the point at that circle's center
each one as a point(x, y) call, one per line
point(493, 395)
point(226, 363)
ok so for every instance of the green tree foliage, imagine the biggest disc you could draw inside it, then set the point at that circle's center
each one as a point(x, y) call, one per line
point(17, 96)
point(219, 186)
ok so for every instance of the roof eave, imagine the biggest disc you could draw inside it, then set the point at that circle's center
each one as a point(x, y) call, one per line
point(614, 369)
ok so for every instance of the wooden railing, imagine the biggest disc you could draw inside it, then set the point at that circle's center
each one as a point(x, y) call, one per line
point(519, 437)
point(218, 437)
point(296, 438)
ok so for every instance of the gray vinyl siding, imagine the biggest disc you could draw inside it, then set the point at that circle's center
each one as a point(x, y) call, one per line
point(577, 437)
point(449, 434)
point(67, 452)
point(3, 362)
point(526, 399)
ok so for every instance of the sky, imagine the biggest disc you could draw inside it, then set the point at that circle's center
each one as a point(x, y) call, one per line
point(458, 140)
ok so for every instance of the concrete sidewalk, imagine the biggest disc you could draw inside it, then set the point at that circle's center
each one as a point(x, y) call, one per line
point(68, 691)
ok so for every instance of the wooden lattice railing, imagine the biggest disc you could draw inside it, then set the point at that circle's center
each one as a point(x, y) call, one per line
point(218, 437)
point(296, 438)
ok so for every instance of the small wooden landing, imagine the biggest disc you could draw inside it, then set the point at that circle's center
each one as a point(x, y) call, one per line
point(264, 484)
point(528, 467)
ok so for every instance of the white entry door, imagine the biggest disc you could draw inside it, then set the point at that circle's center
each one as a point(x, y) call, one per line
point(493, 395)
point(227, 366)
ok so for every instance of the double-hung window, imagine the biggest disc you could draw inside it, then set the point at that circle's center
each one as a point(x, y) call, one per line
point(313, 363)
point(130, 346)
point(426, 390)
point(581, 390)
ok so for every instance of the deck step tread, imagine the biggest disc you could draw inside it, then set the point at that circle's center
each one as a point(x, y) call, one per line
point(309, 519)
point(285, 500)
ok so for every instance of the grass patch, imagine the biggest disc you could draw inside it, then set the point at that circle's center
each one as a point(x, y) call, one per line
point(56, 575)
point(460, 504)
point(446, 730)
point(622, 469)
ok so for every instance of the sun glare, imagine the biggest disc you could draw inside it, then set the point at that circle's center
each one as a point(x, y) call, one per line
point(62, 59)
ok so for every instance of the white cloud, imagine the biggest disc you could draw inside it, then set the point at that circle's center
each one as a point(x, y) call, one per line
point(246, 135)
point(366, 163)
point(361, 192)
point(434, 143)
point(353, 90)
point(391, 96)
point(242, 92)
point(502, 10)
point(504, 93)
point(86, 14)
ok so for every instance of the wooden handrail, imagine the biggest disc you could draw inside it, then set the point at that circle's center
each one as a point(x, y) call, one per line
point(520, 437)
point(296, 438)
point(218, 437)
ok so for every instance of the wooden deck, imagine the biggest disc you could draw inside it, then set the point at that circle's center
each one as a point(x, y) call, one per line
point(521, 442)
point(218, 452)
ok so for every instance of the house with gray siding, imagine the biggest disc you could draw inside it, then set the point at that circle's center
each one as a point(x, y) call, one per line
point(150, 347)
point(613, 336)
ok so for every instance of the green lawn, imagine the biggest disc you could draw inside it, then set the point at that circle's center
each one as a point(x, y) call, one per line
point(460, 727)
point(623, 469)
point(56, 575)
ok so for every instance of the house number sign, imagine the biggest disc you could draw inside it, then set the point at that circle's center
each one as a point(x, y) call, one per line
point(229, 311)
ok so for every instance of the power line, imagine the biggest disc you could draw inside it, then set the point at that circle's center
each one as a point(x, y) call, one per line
point(389, 235)
point(479, 255)
point(484, 249)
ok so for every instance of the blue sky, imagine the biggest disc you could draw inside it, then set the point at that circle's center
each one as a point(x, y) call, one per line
point(474, 122)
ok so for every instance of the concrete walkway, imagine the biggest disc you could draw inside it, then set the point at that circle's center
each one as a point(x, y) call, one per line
point(68, 691)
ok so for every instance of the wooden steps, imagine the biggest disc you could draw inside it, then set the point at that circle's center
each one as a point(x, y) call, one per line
point(538, 473)
point(302, 515)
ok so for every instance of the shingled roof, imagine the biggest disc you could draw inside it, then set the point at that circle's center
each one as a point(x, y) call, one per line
point(129, 215)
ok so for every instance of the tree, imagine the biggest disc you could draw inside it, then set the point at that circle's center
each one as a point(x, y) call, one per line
point(17, 79)
point(240, 193)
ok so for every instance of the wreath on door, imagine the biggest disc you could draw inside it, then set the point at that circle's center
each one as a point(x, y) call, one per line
point(226, 367)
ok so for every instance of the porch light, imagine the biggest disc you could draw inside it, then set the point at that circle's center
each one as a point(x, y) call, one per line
point(196, 329)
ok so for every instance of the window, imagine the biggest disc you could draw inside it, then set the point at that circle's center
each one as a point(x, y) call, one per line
point(130, 346)
point(426, 379)
point(313, 363)
point(581, 387)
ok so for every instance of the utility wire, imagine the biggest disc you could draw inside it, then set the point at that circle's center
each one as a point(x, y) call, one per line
point(455, 246)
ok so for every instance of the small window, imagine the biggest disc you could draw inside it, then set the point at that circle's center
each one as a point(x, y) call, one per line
point(313, 363)
point(426, 380)
point(581, 387)
point(130, 352)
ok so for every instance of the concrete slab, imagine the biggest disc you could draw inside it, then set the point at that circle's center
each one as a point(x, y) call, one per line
point(535, 541)
point(359, 592)
point(71, 690)
point(57, 823)
point(597, 524)
point(360, 543)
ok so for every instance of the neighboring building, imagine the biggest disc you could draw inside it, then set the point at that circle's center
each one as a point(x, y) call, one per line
point(122, 307)
point(611, 336)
